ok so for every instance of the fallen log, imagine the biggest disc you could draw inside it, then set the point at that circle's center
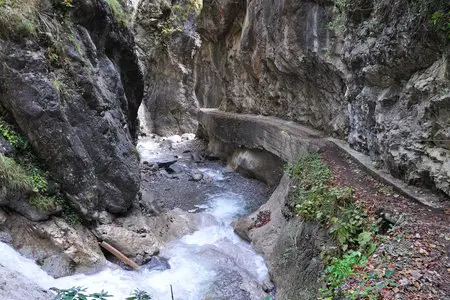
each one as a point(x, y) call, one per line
point(119, 255)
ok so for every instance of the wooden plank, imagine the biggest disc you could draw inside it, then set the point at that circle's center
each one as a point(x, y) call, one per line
point(119, 255)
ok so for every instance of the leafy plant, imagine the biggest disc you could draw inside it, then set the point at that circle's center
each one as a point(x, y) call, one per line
point(342, 268)
point(39, 180)
point(78, 293)
point(16, 140)
point(139, 295)
point(317, 200)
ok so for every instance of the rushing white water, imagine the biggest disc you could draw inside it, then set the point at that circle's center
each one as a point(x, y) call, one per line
point(196, 260)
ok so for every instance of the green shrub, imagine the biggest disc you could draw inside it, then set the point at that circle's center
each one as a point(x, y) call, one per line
point(317, 200)
point(78, 293)
point(139, 295)
point(341, 269)
point(13, 176)
point(308, 170)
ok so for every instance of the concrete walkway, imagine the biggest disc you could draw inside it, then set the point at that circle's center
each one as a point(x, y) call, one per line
point(287, 140)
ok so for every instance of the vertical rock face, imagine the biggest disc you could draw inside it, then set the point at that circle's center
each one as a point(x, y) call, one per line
point(271, 59)
point(372, 72)
point(74, 93)
point(399, 95)
point(167, 44)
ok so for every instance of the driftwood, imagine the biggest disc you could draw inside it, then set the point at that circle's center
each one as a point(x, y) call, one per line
point(119, 255)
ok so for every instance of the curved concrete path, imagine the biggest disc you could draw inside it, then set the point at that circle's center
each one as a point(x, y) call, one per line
point(287, 140)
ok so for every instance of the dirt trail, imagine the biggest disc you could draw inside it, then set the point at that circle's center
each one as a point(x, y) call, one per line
point(417, 247)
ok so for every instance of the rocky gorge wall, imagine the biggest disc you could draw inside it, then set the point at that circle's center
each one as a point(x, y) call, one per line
point(72, 86)
point(374, 73)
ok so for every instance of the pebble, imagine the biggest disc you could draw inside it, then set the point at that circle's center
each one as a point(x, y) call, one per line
point(404, 282)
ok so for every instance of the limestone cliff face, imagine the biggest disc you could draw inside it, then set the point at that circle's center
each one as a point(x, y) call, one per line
point(74, 88)
point(372, 72)
point(167, 42)
point(270, 59)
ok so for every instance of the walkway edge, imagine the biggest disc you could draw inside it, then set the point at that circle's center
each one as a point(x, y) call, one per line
point(419, 195)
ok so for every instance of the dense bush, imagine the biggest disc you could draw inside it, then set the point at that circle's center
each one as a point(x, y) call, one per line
point(316, 199)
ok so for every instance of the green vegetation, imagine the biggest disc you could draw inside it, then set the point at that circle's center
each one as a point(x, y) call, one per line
point(41, 202)
point(21, 19)
point(13, 176)
point(441, 21)
point(18, 18)
point(122, 17)
point(139, 295)
point(16, 140)
point(316, 199)
point(415, 15)
point(180, 13)
point(79, 293)
point(23, 174)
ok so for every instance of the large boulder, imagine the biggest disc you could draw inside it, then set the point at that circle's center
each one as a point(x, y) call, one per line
point(74, 94)
point(140, 235)
point(59, 248)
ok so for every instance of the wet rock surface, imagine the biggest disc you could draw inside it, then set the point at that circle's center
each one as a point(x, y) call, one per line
point(157, 263)
point(59, 248)
point(14, 286)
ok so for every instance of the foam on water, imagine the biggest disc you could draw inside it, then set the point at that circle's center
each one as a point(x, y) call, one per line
point(195, 260)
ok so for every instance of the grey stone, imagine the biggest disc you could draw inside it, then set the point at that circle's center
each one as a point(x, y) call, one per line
point(362, 82)
point(175, 168)
point(157, 263)
point(61, 249)
point(82, 130)
point(5, 147)
point(5, 237)
point(31, 212)
point(169, 104)
point(138, 234)
point(165, 162)
point(196, 175)
point(227, 285)
point(3, 217)
point(149, 203)
point(58, 265)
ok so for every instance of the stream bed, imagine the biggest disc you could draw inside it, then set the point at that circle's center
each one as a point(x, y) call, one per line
point(211, 263)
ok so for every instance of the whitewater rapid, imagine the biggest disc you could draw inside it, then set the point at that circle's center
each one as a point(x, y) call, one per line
point(197, 260)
